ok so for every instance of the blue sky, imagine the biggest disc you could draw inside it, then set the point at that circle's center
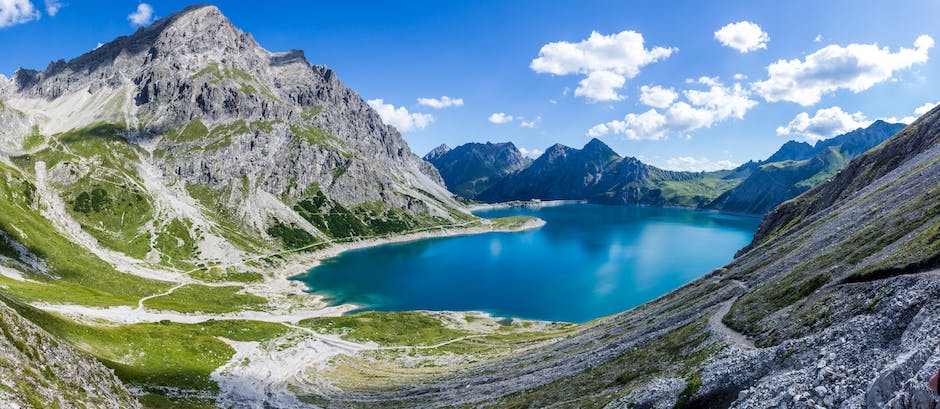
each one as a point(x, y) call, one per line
point(725, 81)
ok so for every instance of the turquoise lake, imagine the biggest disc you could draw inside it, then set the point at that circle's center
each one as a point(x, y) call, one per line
point(587, 262)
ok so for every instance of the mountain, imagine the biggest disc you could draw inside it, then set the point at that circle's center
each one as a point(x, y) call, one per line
point(598, 174)
point(471, 168)
point(191, 109)
point(184, 169)
point(797, 167)
point(436, 153)
point(832, 305)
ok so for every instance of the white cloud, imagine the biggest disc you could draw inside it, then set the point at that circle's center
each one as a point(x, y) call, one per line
point(528, 124)
point(13, 12)
point(743, 36)
point(53, 7)
point(923, 109)
point(701, 109)
point(692, 164)
point(856, 67)
point(532, 153)
point(607, 61)
point(740, 77)
point(399, 117)
point(918, 112)
point(500, 118)
point(818, 38)
point(442, 102)
point(826, 123)
point(601, 86)
point(657, 97)
point(142, 16)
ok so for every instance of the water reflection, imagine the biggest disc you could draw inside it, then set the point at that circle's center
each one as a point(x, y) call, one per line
point(587, 261)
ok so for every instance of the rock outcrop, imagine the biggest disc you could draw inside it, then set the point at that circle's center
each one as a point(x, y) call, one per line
point(38, 371)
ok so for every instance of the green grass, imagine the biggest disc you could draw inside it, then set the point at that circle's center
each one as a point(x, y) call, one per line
point(511, 222)
point(176, 243)
point(158, 354)
point(84, 278)
point(194, 131)
point(751, 308)
point(696, 192)
point(34, 139)
point(108, 200)
point(207, 299)
point(218, 275)
point(387, 328)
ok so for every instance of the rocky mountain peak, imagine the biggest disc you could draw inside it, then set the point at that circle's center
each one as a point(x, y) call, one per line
point(596, 147)
point(437, 152)
point(201, 31)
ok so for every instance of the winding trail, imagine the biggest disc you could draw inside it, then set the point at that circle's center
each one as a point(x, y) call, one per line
point(724, 332)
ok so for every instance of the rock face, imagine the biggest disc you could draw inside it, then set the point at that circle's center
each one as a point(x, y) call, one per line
point(598, 174)
point(797, 167)
point(36, 370)
point(471, 168)
point(836, 298)
point(214, 108)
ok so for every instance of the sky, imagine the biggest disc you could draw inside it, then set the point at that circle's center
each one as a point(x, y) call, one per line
point(696, 85)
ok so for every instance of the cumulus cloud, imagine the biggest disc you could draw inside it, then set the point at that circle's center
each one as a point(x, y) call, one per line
point(818, 38)
point(918, 112)
point(528, 124)
point(923, 109)
point(13, 12)
point(693, 164)
point(500, 118)
point(606, 61)
point(701, 109)
point(442, 102)
point(601, 86)
point(856, 67)
point(826, 123)
point(740, 77)
point(657, 97)
point(53, 7)
point(142, 16)
point(743, 36)
point(531, 153)
point(399, 117)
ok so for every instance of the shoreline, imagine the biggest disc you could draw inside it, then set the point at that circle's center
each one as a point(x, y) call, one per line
point(300, 264)
point(531, 204)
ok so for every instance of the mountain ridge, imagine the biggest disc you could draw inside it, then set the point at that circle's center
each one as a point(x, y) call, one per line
point(597, 173)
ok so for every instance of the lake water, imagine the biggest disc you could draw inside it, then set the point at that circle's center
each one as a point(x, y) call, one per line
point(587, 262)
